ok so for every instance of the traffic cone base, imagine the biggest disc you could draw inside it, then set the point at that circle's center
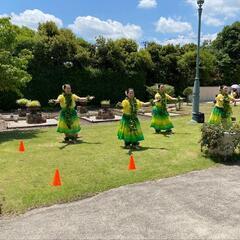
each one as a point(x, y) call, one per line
point(56, 179)
point(21, 147)
point(131, 165)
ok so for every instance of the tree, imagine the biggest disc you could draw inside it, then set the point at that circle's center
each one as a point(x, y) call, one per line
point(109, 55)
point(12, 67)
point(8, 34)
point(187, 68)
point(48, 29)
point(227, 50)
point(139, 61)
point(164, 64)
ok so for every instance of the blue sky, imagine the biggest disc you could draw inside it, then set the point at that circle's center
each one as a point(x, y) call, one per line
point(165, 21)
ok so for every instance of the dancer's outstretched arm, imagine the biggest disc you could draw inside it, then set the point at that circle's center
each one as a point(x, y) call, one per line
point(146, 104)
point(54, 101)
point(171, 98)
point(84, 99)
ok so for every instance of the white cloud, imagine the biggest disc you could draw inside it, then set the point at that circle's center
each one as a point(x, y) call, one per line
point(169, 25)
point(190, 38)
point(209, 37)
point(147, 3)
point(91, 27)
point(213, 21)
point(32, 18)
point(216, 12)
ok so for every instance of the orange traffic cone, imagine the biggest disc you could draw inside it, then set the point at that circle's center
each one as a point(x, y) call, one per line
point(56, 179)
point(21, 147)
point(131, 165)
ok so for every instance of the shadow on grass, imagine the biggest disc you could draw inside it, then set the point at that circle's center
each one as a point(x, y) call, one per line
point(168, 134)
point(77, 143)
point(230, 161)
point(18, 135)
point(142, 149)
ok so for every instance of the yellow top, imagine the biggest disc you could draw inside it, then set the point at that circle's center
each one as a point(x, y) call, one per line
point(158, 97)
point(127, 107)
point(219, 100)
point(62, 100)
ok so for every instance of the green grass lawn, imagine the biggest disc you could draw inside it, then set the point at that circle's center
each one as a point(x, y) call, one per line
point(97, 164)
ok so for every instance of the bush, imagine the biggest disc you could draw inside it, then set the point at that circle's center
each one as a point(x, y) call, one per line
point(218, 141)
point(105, 102)
point(8, 100)
point(22, 102)
point(34, 103)
point(101, 83)
point(187, 93)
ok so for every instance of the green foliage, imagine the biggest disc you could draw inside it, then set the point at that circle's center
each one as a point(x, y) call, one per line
point(22, 102)
point(13, 71)
point(13, 67)
point(188, 91)
point(227, 50)
point(48, 29)
point(212, 137)
point(8, 34)
point(52, 56)
point(187, 66)
point(105, 102)
point(34, 103)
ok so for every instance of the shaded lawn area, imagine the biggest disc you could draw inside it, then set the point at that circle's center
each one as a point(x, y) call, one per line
point(97, 164)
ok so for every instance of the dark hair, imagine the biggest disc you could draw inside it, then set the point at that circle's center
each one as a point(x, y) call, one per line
point(64, 86)
point(159, 85)
point(128, 90)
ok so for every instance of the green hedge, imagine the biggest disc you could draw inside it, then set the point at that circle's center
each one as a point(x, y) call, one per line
point(103, 84)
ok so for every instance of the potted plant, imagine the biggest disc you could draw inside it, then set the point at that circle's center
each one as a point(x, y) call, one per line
point(105, 104)
point(218, 141)
point(35, 116)
point(82, 106)
point(22, 112)
point(33, 106)
point(105, 112)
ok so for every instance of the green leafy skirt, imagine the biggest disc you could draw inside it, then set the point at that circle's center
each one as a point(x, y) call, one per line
point(69, 122)
point(218, 117)
point(130, 130)
point(161, 120)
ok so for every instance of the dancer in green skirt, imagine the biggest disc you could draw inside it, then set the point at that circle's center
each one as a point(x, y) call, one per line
point(69, 122)
point(130, 129)
point(160, 116)
point(222, 111)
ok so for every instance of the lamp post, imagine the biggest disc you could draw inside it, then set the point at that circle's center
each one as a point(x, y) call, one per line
point(196, 89)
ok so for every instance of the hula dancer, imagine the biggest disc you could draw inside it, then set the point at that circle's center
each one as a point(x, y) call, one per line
point(160, 116)
point(69, 122)
point(130, 129)
point(222, 111)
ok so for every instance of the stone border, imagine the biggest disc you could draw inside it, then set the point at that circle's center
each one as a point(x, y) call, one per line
point(24, 124)
point(92, 119)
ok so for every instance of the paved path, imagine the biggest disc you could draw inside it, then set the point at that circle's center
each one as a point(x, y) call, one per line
point(198, 205)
